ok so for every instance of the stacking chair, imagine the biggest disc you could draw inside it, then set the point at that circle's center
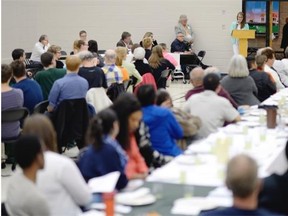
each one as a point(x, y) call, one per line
point(41, 107)
point(161, 82)
point(9, 116)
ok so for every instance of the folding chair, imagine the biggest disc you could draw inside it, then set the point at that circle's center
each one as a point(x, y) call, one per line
point(41, 107)
point(161, 82)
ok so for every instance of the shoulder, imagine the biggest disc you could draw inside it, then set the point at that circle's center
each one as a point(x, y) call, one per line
point(17, 92)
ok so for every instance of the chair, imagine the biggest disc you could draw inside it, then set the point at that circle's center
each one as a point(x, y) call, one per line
point(41, 107)
point(28, 55)
point(176, 74)
point(10, 116)
point(63, 52)
point(101, 52)
point(98, 98)
point(201, 54)
point(70, 121)
point(161, 82)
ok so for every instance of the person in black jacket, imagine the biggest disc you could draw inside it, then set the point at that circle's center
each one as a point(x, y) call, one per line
point(262, 80)
point(284, 42)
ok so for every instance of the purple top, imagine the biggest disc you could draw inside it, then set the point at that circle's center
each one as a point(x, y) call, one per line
point(11, 99)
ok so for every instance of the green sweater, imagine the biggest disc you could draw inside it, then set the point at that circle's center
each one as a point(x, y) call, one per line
point(46, 78)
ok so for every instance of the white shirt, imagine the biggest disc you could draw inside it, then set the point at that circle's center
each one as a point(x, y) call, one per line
point(37, 51)
point(275, 76)
point(212, 109)
point(63, 185)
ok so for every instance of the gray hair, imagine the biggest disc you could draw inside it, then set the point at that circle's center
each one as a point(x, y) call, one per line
point(182, 17)
point(85, 55)
point(110, 56)
point(238, 67)
point(139, 53)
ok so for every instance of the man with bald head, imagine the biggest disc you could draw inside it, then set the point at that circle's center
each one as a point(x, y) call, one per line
point(242, 179)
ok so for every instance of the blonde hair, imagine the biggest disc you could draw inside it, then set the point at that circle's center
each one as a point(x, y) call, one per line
point(54, 49)
point(147, 42)
point(41, 126)
point(147, 34)
point(238, 67)
point(73, 63)
point(121, 53)
point(156, 57)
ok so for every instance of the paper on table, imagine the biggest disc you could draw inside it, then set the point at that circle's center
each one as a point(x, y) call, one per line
point(118, 208)
point(104, 184)
point(95, 213)
point(133, 185)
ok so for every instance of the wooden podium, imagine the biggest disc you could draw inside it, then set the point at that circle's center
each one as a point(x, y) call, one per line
point(243, 36)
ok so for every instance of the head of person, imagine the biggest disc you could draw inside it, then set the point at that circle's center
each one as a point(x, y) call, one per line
point(128, 110)
point(164, 47)
point(18, 69)
point(197, 76)
point(121, 54)
point(6, 73)
point(251, 64)
point(44, 40)
point(83, 35)
point(48, 60)
point(104, 123)
point(73, 63)
point(56, 50)
point(183, 19)
point(86, 56)
point(134, 46)
point(156, 56)
point(41, 126)
point(211, 82)
point(260, 61)
point(18, 54)
point(147, 43)
point(241, 19)
point(238, 67)
point(270, 54)
point(80, 45)
point(163, 98)
point(180, 36)
point(110, 57)
point(242, 177)
point(212, 70)
point(139, 53)
point(146, 95)
point(93, 46)
point(29, 153)
point(126, 37)
point(148, 34)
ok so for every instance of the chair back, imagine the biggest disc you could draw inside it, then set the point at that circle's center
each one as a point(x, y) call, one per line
point(41, 107)
point(63, 52)
point(166, 73)
point(101, 52)
point(14, 114)
point(161, 82)
point(28, 55)
point(201, 55)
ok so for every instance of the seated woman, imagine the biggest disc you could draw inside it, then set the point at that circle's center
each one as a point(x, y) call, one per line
point(158, 64)
point(129, 113)
point(139, 55)
point(78, 46)
point(56, 51)
point(60, 181)
point(104, 154)
point(147, 45)
point(150, 35)
point(93, 48)
point(239, 84)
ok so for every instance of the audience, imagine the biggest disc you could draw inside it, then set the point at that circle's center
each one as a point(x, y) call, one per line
point(167, 55)
point(104, 154)
point(201, 104)
point(140, 65)
point(128, 110)
point(265, 86)
point(147, 45)
point(239, 84)
point(60, 181)
point(158, 64)
point(196, 79)
point(10, 98)
point(179, 45)
point(163, 135)
point(31, 89)
point(49, 75)
point(56, 51)
point(71, 86)
point(19, 54)
point(185, 29)
point(23, 197)
point(125, 40)
point(83, 35)
point(93, 48)
point(40, 47)
point(150, 35)
point(89, 71)
point(242, 180)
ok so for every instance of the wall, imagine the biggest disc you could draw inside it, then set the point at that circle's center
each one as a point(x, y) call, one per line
point(23, 21)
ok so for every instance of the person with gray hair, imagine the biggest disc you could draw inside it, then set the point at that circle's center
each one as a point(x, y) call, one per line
point(242, 179)
point(141, 66)
point(239, 84)
point(89, 71)
point(39, 48)
point(185, 29)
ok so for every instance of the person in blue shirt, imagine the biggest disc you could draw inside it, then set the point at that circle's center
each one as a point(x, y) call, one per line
point(71, 86)
point(32, 91)
point(242, 179)
point(104, 154)
point(163, 127)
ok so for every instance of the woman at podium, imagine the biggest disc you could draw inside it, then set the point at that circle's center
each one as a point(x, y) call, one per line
point(240, 24)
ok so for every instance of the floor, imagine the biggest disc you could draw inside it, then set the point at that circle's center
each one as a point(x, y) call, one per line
point(177, 91)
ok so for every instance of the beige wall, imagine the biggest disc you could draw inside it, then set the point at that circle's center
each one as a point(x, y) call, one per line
point(23, 21)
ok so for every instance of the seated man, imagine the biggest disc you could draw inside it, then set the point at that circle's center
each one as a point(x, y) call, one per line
point(212, 109)
point(163, 126)
point(196, 78)
point(19, 54)
point(31, 89)
point(83, 35)
point(39, 48)
point(274, 193)
point(125, 41)
point(71, 86)
point(179, 45)
point(23, 197)
point(49, 75)
point(242, 180)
